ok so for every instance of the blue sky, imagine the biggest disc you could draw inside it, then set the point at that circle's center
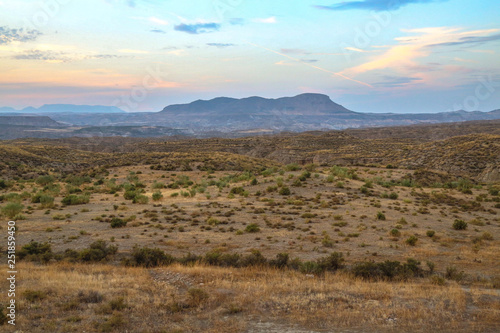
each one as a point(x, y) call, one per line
point(141, 55)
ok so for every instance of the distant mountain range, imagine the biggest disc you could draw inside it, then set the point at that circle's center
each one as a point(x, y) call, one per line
point(225, 116)
point(65, 108)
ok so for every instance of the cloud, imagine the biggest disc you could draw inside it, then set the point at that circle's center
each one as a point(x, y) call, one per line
point(8, 35)
point(376, 5)
point(49, 56)
point(469, 40)
point(158, 31)
point(58, 56)
point(410, 48)
point(156, 20)
point(294, 51)
point(395, 81)
point(220, 45)
point(268, 20)
point(309, 61)
point(198, 28)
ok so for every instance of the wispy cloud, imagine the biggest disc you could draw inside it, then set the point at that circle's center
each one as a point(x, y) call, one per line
point(395, 81)
point(376, 5)
point(469, 40)
point(158, 31)
point(220, 45)
point(419, 45)
point(156, 20)
point(8, 35)
point(58, 56)
point(197, 28)
point(268, 20)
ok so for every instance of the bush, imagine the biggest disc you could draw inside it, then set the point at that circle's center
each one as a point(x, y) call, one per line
point(157, 196)
point(151, 257)
point(459, 225)
point(97, 251)
point(412, 240)
point(284, 191)
point(280, 261)
point(117, 223)
point(12, 209)
point(252, 227)
point(34, 251)
point(140, 199)
point(430, 233)
point(74, 199)
point(331, 263)
point(45, 180)
point(380, 216)
point(393, 196)
point(255, 258)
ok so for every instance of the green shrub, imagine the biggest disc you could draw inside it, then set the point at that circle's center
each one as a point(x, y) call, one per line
point(45, 180)
point(151, 257)
point(140, 199)
point(459, 225)
point(430, 233)
point(157, 196)
point(118, 223)
point(12, 209)
point(412, 240)
point(34, 251)
point(97, 251)
point(380, 216)
point(74, 199)
point(284, 191)
point(252, 227)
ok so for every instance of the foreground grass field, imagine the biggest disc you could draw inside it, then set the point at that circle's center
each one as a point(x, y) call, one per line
point(105, 298)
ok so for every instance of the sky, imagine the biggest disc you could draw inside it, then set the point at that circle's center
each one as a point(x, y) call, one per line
point(398, 56)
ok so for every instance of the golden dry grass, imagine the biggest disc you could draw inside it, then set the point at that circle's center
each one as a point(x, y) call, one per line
point(161, 300)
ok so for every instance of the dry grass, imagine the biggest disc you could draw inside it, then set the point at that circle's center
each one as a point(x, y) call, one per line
point(236, 300)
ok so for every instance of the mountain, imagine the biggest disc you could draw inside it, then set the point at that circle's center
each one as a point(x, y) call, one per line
point(37, 121)
point(301, 105)
point(70, 108)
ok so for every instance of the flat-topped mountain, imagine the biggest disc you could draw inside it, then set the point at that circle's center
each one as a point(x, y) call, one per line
point(21, 120)
point(301, 105)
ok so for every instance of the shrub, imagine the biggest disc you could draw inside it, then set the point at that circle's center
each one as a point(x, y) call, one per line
point(45, 180)
point(34, 251)
point(117, 222)
point(74, 199)
point(280, 261)
point(157, 196)
point(97, 251)
point(333, 262)
point(430, 233)
point(393, 196)
point(459, 225)
point(284, 191)
point(140, 199)
point(12, 209)
point(151, 257)
point(255, 258)
point(380, 216)
point(412, 240)
point(395, 232)
point(252, 227)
